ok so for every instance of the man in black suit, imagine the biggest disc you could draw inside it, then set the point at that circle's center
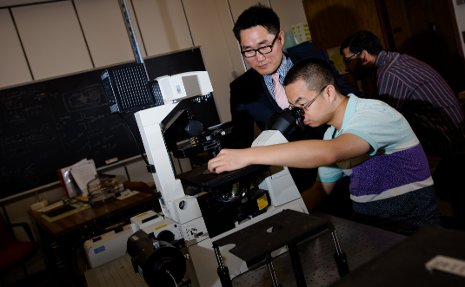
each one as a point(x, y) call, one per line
point(252, 94)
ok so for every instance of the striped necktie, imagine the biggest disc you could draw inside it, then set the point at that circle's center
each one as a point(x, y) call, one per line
point(279, 93)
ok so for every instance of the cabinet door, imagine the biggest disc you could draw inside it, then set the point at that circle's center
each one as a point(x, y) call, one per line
point(290, 12)
point(238, 6)
point(105, 31)
point(163, 26)
point(52, 38)
point(211, 28)
point(14, 69)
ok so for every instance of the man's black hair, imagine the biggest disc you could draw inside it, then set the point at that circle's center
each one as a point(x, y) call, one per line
point(257, 15)
point(315, 72)
point(362, 40)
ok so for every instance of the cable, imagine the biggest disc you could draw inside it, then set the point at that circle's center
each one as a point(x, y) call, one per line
point(187, 21)
point(136, 141)
point(172, 277)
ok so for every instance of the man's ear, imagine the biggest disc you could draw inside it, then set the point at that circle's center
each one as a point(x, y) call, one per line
point(330, 93)
point(365, 57)
point(281, 37)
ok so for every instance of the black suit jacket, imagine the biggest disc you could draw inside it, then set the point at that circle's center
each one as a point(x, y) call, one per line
point(252, 103)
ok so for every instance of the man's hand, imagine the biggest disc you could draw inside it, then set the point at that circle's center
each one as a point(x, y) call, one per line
point(229, 159)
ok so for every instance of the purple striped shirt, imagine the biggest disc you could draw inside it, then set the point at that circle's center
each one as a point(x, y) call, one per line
point(424, 98)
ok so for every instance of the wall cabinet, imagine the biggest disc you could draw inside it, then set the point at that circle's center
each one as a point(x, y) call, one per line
point(13, 64)
point(163, 26)
point(65, 37)
point(52, 38)
point(104, 31)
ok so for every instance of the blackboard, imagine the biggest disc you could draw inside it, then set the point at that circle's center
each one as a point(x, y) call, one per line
point(51, 124)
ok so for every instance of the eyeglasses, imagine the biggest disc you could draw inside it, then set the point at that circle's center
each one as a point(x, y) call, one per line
point(307, 105)
point(348, 59)
point(262, 50)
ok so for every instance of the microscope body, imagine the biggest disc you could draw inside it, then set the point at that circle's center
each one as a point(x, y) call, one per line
point(206, 206)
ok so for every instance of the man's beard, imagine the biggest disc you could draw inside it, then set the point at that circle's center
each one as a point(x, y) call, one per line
point(361, 72)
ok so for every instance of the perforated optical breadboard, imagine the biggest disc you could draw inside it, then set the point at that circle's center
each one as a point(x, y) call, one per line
point(127, 89)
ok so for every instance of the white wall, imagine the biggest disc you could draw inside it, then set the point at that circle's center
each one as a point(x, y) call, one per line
point(290, 13)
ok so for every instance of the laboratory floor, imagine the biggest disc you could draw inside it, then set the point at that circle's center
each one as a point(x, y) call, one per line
point(38, 279)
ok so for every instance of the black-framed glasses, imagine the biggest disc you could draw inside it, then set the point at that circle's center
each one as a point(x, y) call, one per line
point(262, 50)
point(348, 59)
point(307, 105)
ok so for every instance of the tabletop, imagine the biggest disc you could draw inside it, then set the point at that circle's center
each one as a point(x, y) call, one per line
point(76, 220)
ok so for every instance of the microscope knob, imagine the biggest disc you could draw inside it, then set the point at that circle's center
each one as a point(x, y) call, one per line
point(166, 235)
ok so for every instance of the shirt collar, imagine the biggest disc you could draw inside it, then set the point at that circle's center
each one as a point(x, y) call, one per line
point(284, 67)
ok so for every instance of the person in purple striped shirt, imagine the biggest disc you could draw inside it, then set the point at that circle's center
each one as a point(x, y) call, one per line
point(412, 87)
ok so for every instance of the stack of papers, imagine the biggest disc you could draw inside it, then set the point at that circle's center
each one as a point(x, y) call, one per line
point(76, 177)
